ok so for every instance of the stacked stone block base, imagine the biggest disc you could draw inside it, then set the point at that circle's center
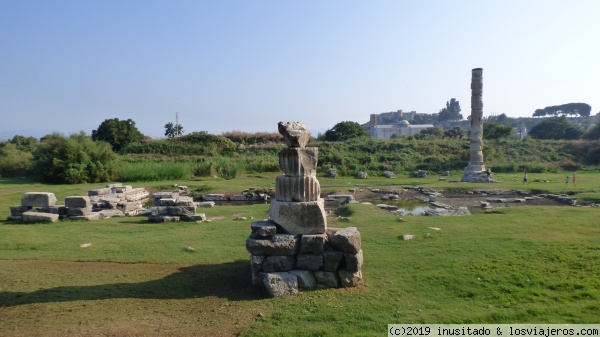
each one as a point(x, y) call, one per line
point(171, 207)
point(286, 263)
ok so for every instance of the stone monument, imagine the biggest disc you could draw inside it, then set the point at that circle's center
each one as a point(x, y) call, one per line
point(476, 171)
point(294, 249)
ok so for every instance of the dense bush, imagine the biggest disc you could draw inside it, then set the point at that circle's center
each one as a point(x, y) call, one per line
point(13, 161)
point(74, 159)
point(195, 143)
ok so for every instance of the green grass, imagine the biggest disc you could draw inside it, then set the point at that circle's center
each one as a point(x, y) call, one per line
point(529, 264)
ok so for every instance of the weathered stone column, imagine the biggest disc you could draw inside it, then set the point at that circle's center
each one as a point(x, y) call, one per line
point(476, 171)
point(294, 250)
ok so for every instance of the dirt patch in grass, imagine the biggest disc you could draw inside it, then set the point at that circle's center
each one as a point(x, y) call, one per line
point(52, 298)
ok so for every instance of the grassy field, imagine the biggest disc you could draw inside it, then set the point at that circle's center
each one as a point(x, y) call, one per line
point(531, 264)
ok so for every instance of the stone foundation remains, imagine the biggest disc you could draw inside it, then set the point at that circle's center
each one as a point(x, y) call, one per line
point(172, 207)
point(294, 250)
point(114, 200)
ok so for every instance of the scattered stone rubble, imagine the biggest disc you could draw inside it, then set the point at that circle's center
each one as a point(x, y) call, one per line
point(114, 200)
point(294, 250)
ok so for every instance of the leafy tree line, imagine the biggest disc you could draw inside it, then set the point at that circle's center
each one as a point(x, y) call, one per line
point(569, 109)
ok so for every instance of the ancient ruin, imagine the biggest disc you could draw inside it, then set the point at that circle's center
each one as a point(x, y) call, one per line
point(294, 249)
point(172, 207)
point(101, 203)
point(476, 171)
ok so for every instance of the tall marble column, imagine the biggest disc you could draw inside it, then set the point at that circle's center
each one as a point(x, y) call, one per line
point(476, 171)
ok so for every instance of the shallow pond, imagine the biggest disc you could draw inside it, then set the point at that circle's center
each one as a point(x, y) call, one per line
point(405, 206)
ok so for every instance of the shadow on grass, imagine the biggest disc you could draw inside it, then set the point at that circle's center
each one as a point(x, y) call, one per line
point(228, 280)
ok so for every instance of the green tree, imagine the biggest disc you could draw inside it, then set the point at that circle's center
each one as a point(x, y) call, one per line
point(172, 130)
point(569, 109)
point(118, 133)
point(555, 128)
point(23, 143)
point(346, 130)
point(433, 132)
point(495, 130)
point(451, 111)
point(14, 161)
point(593, 133)
point(74, 159)
point(455, 132)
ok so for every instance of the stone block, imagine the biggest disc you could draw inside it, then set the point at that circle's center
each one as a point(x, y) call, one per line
point(14, 218)
point(326, 279)
point(111, 186)
point(159, 210)
point(198, 217)
point(18, 210)
point(295, 134)
point(56, 209)
point(214, 197)
point(263, 229)
point(110, 213)
point(76, 211)
point(306, 279)
point(206, 204)
point(257, 278)
point(38, 199)
point(346, 239)
point(32, 216)
point(167, 202)
point(332, 259)
point(279, 244)
point(350, 278)
point(282, 283)
point(155, 218)
point(181, 210)
point(299, 217)
point(278, 263)
point(185, 201)
point(171, 218)
point(99, 191)
point(297, 162)
point(256, 262)
point(299, 189)
point(122, 189)
point(156, 197)
point(309, 261)
point(87, 217)
point(354, 262)
point(77, 201)
point(312, 243)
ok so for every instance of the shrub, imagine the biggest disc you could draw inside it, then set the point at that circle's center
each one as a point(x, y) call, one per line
point(74, 159)
point(14, 162)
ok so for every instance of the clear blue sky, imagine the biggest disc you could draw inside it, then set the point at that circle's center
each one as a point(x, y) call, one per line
point(244, 65)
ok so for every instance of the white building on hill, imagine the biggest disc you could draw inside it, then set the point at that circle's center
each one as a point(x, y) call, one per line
point(402, 128)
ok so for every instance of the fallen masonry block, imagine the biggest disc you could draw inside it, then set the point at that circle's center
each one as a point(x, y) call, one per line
point(38, 199)
point(99, 191)
point(32, 216)
point(77, 202)
point(110, 213)
point(87, 217)
point(214, 197)
point(18, 210)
